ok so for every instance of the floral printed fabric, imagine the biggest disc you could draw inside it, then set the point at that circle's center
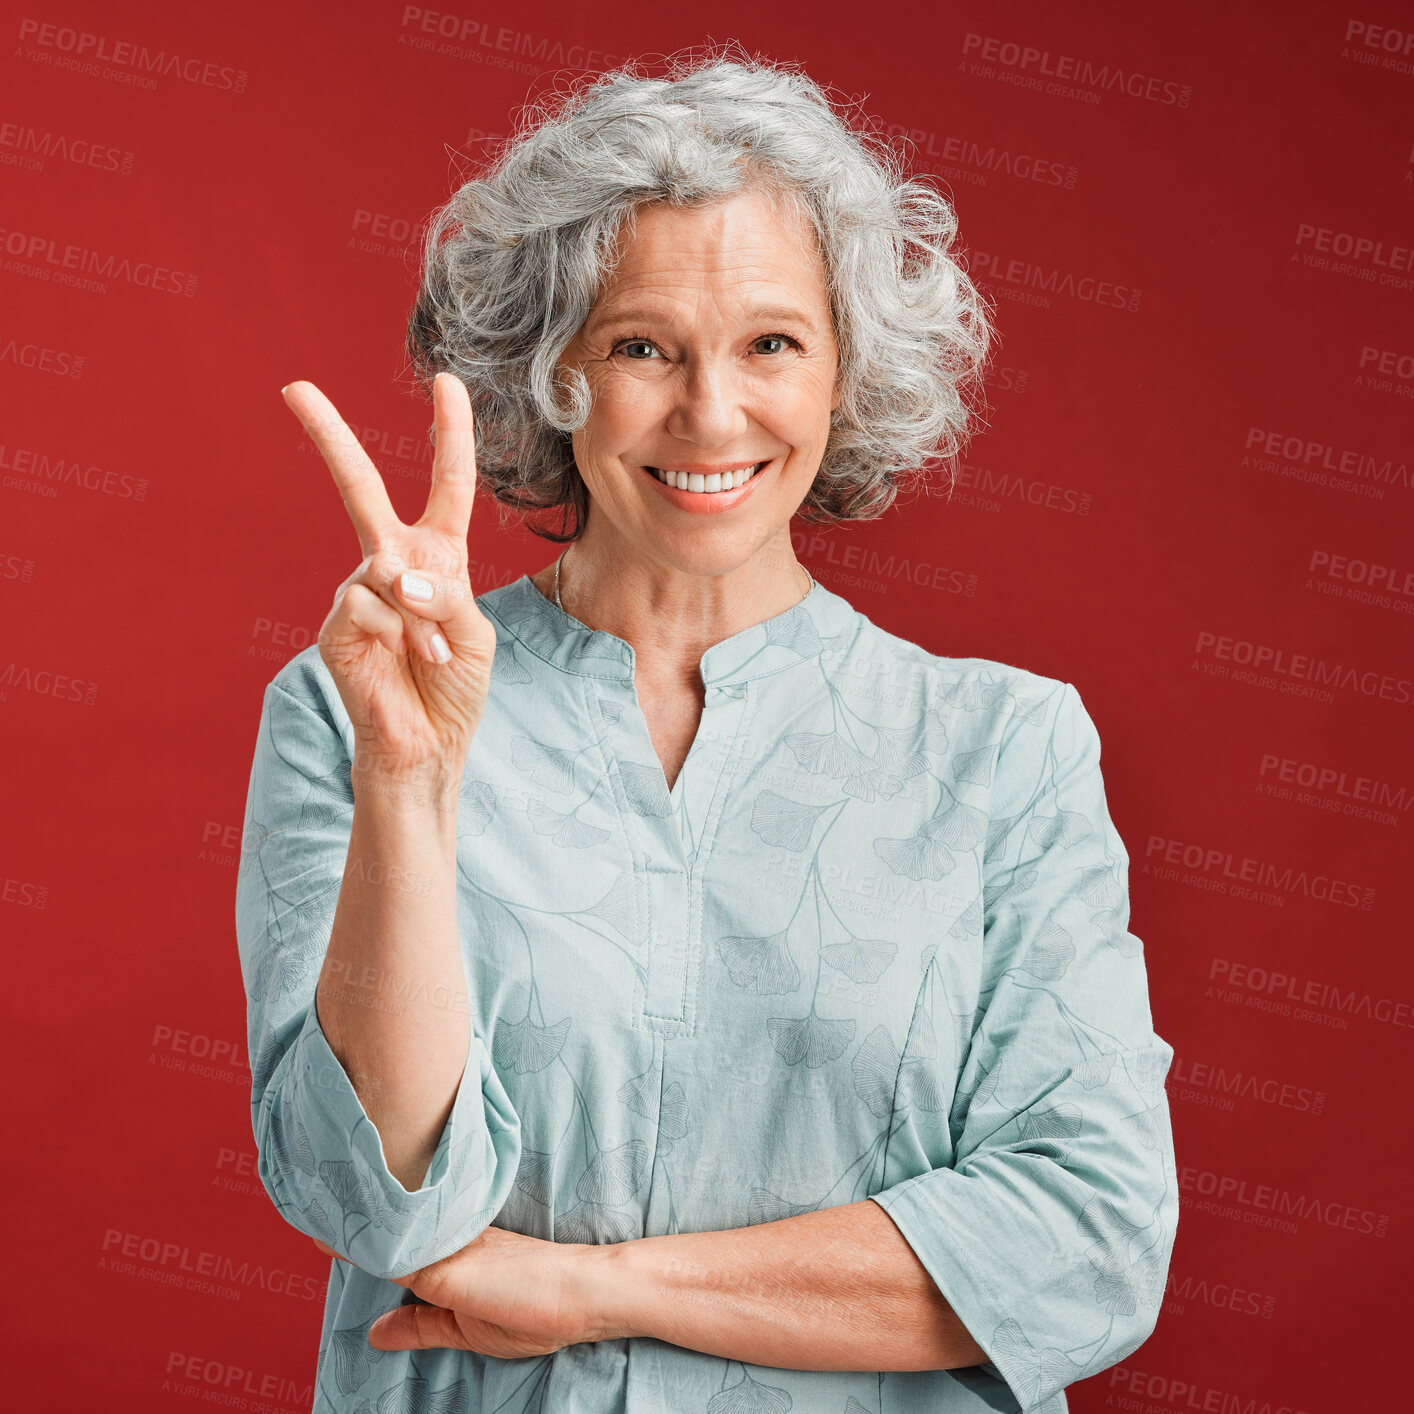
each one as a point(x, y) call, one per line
point(873, 943)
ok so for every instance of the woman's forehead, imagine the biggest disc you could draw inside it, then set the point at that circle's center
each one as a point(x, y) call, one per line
point(747, 257)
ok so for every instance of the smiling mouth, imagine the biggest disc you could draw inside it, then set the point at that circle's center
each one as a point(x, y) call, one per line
point(696, 481)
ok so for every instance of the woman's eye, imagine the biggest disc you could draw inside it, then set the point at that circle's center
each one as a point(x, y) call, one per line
point(627, 346)
point(776, 339)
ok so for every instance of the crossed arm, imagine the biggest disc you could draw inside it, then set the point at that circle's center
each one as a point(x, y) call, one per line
point(837, 1289)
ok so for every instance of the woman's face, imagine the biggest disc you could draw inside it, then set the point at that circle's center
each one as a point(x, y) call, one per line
point(710, 350)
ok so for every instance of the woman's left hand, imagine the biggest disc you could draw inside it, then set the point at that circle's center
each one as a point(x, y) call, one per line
point(503, 1294)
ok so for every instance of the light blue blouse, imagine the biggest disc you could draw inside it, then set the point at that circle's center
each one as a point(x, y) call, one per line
point(873, 944)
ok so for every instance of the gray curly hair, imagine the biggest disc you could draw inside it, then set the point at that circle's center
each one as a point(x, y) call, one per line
point(513, 264)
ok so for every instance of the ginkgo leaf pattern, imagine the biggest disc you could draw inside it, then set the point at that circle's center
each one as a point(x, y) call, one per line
point(616, 908)
point(564, 827)
point(507, 666)
point(1051, 952)
point(761, 965)
point(876, 1070)
point(550, 767)
point(645, 788)
point(522, 1046)
point(787, 824)
point(871, 943)
point(750, 1396)
point(916, 857)
point(351, 1357)
point(811, 1038)
point(863, 959)
point(1038, 1370)
point(476, 808)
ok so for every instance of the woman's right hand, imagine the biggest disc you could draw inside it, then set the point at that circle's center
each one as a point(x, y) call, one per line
point(413, 714)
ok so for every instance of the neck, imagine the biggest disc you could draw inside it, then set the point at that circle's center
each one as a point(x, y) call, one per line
point(669, 613)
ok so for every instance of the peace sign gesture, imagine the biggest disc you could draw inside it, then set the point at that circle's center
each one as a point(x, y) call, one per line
point(406, 645)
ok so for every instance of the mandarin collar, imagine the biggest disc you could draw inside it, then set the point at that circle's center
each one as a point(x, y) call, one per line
point(796, 635)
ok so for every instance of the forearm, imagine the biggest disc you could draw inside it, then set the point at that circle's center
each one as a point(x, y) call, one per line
point(838, 1289)
point(392, 991)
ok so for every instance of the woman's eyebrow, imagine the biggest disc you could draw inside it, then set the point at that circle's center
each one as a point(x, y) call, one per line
point(646, 314)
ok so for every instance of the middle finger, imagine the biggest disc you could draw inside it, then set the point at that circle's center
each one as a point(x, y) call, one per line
point(454, 459)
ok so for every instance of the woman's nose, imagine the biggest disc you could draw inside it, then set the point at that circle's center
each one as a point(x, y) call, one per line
point(707, 406)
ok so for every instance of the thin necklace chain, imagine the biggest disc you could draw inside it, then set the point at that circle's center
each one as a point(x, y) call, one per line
point(810, 578)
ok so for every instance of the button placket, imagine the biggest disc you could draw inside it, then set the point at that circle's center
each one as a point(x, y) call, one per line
point(673, 892)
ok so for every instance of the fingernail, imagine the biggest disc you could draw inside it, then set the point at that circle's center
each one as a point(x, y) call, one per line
point(415, 587)
point(440, 651)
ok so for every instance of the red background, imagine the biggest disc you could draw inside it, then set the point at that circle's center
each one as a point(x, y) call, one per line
point(1126, 523)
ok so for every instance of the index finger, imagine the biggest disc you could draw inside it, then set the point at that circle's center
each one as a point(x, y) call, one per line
point(365, 496)
point(454, 459)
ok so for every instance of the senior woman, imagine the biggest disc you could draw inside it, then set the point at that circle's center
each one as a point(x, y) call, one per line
point(669, 990)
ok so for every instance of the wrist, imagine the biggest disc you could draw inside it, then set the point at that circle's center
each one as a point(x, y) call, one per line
point(431, 788)
point(615, 1288)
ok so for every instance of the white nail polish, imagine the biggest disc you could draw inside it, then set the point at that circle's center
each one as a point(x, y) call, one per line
point(440, 651)
point(415, 587)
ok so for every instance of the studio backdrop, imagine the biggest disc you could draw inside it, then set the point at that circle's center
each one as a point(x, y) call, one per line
point(1191, 497)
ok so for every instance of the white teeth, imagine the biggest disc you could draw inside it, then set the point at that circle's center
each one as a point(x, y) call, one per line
point(696, 481)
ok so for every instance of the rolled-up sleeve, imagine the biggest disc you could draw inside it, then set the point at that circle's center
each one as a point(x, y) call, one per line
point(321, 1159)
point(1050, 1235)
